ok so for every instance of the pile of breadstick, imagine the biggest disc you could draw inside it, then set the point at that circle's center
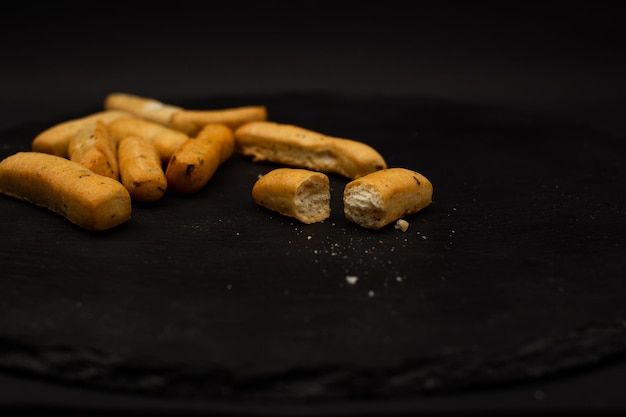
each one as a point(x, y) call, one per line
point(92, 169)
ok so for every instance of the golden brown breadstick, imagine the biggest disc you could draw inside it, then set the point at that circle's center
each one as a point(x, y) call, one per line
point(55, 140)
point(94, 148)
point(298, 193)
point(385, 196)
point(143, 107)
point(195, 162)
point(141, 171)
point(302, 148)
point(191, 121)
point(91, 201)
point(165, 139)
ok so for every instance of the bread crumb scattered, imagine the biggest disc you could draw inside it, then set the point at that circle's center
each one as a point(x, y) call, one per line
point(402, 224)
point(351, 279)
point(370, 293)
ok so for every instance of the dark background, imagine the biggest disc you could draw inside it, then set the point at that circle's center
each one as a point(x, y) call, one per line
point(561, 59)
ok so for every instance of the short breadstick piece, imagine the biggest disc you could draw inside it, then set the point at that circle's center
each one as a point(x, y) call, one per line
point(385, 196)
point(191, 121)
point(56, 139)
point(141, 171)
point(298, 193)
point(143, 107)
point(195, 162)
point(91, 201)
point(94, 148)
point(165, 139)
point(303, 148)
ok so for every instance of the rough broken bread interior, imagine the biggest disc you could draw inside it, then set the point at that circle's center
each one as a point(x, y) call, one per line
point(382, 197)
point(298, 193)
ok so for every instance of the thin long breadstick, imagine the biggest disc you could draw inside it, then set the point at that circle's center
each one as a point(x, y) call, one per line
point(303, 148)
point(192, 121)
point(143, 107)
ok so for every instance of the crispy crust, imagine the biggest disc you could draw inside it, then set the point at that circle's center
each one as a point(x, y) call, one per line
point(165, 139)
point(195, 162)
point(56, 139)
point(143, 107)
point(91, 201)
point(298, 193)
point(141, 171)
point(192, 121)
point(302, 148)
point(94, 148)
point(382, 197)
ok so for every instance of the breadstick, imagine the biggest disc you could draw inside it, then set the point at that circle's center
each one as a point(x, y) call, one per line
point(143, 107)
point(384, 196)
point(302, 148)
point(191, 121)
point(165, 139)
point(91, 201)
point(294, 192)
point(141, 171)
point(195, 162)
point(55, 140)
point(94, 148)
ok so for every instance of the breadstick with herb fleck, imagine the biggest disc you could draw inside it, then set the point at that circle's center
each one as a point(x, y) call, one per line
point(194, 163)
point(141, 171)
point(165, 139)
point(94, 148)
point(377, 199)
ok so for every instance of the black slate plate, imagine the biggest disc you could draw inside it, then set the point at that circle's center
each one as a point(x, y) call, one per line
point(515, 272)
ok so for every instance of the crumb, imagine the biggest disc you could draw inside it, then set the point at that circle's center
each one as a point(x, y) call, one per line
point(402, 224)
point(351, 279)
point(370, 293)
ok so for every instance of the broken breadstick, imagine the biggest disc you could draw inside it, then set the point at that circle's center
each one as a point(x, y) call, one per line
point(298, 193)
point(384, 196)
